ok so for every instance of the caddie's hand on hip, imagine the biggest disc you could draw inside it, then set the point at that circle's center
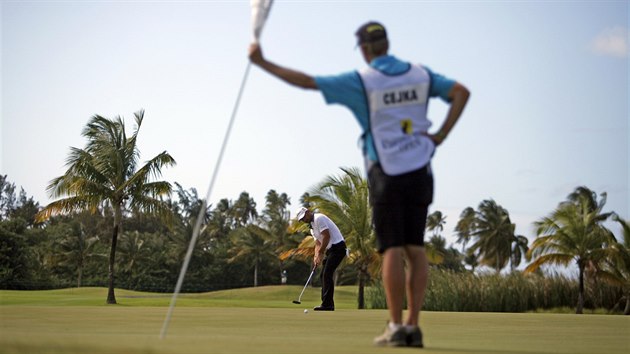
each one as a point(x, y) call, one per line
point(437, 138)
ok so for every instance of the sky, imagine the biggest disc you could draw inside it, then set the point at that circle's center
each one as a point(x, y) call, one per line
point(548, 110)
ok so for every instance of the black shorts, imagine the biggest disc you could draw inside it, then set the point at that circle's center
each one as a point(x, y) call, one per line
point(400, 205)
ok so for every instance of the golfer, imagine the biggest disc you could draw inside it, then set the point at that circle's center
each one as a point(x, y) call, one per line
point(330, 249)
point(389, 99)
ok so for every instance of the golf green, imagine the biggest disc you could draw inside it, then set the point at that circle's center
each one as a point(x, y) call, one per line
point(123, 329)
point(263, 320)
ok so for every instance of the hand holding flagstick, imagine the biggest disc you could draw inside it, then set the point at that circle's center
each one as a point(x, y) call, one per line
point(260, 12)
point(255, 54)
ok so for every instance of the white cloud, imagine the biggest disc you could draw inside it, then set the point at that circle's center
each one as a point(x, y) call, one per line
point(612, 42)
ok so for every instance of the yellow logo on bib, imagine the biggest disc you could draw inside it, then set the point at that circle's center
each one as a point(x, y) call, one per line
point(406, 126)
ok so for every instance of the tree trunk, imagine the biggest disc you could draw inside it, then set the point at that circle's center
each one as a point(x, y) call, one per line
point(79, 276)
point(361, 295)
point(111, 297)
point(256, 274)
point(626, 311)
point(580, 304)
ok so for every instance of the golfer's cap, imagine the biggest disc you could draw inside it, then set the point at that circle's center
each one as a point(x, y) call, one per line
point(370, 32)
point(300, 213)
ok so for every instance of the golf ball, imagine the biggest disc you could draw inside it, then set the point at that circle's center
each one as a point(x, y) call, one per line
point(305, 311)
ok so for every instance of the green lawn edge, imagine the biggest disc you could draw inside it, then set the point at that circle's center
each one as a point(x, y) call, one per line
point(264, 320)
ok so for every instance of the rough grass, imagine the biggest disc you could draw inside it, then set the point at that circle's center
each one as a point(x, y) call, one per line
point(264, 321)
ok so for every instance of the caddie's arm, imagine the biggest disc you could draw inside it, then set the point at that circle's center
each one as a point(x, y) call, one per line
point(290, 76)
point(458, 97)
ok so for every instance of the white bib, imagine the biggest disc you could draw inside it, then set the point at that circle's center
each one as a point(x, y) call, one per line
point(398, 118)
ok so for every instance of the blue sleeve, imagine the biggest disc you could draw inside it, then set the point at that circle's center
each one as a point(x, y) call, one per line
point(440, 85)
point(345, 89)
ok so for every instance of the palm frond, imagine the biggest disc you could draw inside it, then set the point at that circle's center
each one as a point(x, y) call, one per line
point(68, 205)
point(304, 251)
point(551, 258)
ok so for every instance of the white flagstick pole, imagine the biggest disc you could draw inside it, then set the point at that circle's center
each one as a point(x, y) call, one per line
point(260, 11)
point(202, 211)
point(259, 19)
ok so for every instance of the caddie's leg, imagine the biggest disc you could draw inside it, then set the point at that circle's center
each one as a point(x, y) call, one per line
point(394, 282)
point(417, 277)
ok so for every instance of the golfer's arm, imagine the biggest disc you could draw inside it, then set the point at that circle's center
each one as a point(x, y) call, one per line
point(290, 76)
point(325, 240)
point(458, 95)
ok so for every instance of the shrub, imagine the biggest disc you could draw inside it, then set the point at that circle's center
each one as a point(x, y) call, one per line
point(514, 292)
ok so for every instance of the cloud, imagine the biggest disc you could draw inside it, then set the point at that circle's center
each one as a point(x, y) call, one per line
point(612, 42)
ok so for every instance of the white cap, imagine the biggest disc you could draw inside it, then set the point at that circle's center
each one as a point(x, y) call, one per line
point(300, 213)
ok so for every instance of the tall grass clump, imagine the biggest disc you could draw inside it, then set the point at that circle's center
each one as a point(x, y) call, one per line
point(491, 292)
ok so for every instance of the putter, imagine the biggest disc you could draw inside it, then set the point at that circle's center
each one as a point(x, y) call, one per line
point(299, 300)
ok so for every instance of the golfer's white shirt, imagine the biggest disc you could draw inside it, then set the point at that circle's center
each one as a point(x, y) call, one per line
point(320, 223)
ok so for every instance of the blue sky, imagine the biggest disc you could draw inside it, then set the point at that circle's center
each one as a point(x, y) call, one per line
point(548, 111)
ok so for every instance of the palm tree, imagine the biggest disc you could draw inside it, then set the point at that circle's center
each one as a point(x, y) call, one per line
point(106, 173)
point(465, 227)
point(219, 225)
point(616, 267)
point(345, 200)
point(187, 208)
point(188, 205)
point(243, 210)
point(134, 251)
point(74, 248)
point(436, 222)
point(471, 259)
point(275, 215)
point(495, 241)
point(573, 232)
point(250, 244)
point(519, 250)
point(275, 220)
point(436, 249)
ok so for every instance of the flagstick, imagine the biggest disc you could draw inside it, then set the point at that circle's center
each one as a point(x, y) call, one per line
point(202, 211)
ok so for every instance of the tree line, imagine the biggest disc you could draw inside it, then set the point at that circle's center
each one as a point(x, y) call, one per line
point(113, 223)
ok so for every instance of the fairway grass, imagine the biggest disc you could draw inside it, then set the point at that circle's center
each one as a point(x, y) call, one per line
point(37, 327)
point(263, 296)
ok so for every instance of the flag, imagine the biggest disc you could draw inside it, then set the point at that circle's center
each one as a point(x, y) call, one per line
point(260, 11)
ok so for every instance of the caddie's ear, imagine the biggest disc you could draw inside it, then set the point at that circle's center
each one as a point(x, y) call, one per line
point(365, 52)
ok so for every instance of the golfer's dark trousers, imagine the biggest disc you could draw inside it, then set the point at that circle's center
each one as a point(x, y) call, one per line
point(334, 256)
